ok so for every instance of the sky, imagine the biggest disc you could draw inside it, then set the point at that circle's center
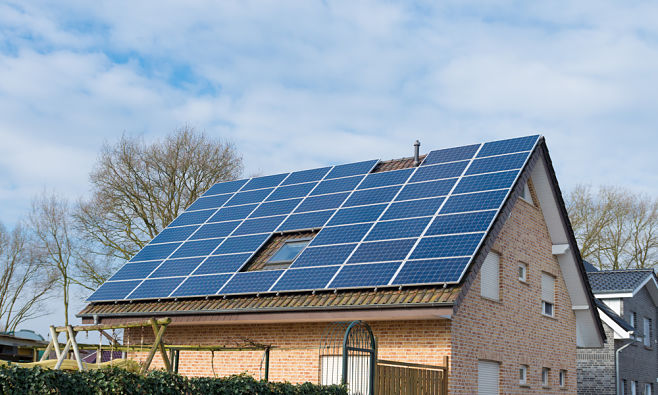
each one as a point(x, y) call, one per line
point(300, 84)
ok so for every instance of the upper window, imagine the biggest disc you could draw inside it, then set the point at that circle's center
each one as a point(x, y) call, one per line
point(647, 331)
point(523, 375)
point(489, 281)
point(547, 294)
point(523, 272)
point(563, 378)
point(526, 193)
point(286, 254)
point(544, 376)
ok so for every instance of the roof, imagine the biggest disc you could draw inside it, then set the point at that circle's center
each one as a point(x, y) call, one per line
point(614, 316)
point(589, 267)
point(618, 281)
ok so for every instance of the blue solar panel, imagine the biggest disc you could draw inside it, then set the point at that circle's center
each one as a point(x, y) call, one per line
point(324, 256)
point(386, 178)
point(177, 267)
point(339, 185)
point(398, 229)
point(312, 220)
point(225, 187)
point(275, 208)
point(241, 244)
point(192, 218)
point(264, 182)
point(114, 290)
point(357, 214)
point(259, 225)
point(368, 275)
point(197, 248)
point(497, 163)
point(174, 234)
point(428, 271)
point(153, 252)
point(306, 176)
point(351, 169)
point(508, 146)
point(446, 246)
point(218, 229)
point(249, 282)
point(233, 213)
point(413, 208)
point(486, 182)
point(341, 234)
point(209, 202)
point(222, 264)
point(201, 285)
point(322, 202)
point(451, 154)
point(311, 278)
point(292, 191)
point(461, 223)
point(378, 251)
point(249, 197)
point(474, 202)
point(426, 189)
point(437, 172)
point(158, 288)
point(133, 271)
point(372, 196)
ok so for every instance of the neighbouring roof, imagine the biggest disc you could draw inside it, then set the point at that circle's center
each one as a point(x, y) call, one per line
point(589, 267)
point(614, 316)
point(408, 297)
point(618, 281)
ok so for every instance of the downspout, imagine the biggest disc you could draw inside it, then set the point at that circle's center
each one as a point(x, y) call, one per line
point(619, 389)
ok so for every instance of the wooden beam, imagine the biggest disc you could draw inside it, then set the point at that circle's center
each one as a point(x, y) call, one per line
point(154, 348)
point(46, 353)
point(74, 345)
point(87, 328)
point(165, 359)
point(55, 339)
point(62, 356)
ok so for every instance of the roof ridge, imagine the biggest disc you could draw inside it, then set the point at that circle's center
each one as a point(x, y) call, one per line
point(622, 271)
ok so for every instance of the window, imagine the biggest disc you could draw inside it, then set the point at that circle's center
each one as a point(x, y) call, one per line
point(648, 389)
point(286, 254)
point(544, 376)
point(623, 387)
point(563, 378)
point(633, 387)
point(525, 195)
point(547, 294)
point(523, 272)
point(523, 375)
point(632, 319)
point(489, 283)
point(647, 331)
point(488, 376)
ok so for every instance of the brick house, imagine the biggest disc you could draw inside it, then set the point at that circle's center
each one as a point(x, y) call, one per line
point(509, 313)
point(627, 303)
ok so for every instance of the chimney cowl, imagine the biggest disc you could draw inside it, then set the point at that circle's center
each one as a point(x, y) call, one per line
point(417, 153)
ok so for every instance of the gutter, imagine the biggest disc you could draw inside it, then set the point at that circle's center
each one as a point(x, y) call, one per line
point(620, 390)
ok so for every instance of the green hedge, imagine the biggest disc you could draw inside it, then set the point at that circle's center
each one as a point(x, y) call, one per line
point(17, 380)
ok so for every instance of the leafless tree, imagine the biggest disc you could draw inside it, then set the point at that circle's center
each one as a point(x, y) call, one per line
point(24, 283)
point(138, 188)
point(615, 228)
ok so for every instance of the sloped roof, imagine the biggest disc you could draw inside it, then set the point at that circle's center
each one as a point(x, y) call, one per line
point(614, 316)
point(618, 281)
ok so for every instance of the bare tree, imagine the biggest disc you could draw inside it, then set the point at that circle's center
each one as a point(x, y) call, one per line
point(24, 283)
point(615, 228)
point(55, 242)
point(139, 188)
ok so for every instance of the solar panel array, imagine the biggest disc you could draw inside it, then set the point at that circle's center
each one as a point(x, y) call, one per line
point(412, 226)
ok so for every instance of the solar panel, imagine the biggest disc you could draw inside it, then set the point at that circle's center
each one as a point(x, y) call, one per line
point(417, 225)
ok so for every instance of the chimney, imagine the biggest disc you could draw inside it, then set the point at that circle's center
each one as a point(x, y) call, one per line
point(417, 153)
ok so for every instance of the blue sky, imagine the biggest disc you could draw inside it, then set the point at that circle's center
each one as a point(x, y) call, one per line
point(296, 84)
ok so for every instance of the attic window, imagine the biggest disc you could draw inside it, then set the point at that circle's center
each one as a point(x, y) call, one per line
point(525, 194)
point(286, 254)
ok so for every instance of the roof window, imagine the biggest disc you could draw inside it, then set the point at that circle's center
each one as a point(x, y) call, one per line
point(286, 254)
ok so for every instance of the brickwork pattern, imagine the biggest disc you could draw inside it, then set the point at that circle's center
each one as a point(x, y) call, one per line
point(596, 368)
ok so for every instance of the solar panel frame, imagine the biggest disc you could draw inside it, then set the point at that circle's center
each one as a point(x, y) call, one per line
point(176, 267)
point(225, 187)
point(207, 202)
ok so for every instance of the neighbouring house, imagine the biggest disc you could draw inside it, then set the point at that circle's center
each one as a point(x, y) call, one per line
point(19, 346)
point(464, 253)
point(627, 302)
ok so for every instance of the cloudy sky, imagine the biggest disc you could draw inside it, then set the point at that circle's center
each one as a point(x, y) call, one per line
point(307, 83)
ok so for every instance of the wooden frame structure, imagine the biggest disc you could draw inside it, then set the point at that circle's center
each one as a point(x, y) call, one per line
point(158, 326)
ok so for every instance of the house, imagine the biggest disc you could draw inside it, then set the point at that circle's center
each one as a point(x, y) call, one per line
point(627, 302)
point(19, 346)
point(465, 253)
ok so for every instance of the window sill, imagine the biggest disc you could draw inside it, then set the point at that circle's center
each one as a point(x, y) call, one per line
point(491, 299)
point(552, 317)
point(524, 282)
point(524, 385)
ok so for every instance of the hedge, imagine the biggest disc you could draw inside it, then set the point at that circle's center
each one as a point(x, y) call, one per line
point(17, 380)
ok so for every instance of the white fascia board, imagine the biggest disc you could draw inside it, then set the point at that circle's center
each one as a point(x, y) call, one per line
point(620, 333)
point(560, 249)
point(614, 296)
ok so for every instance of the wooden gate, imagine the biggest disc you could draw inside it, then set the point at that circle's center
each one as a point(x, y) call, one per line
point(411, 378)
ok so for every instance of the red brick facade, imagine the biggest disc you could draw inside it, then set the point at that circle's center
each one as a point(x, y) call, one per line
point(511, 331)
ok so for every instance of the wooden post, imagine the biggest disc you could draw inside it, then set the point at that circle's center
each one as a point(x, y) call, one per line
point(74, 345)
point(154, 348)
point(165, 359)
point(46, 353)
point(55, 337)
point(62, 355)
point(446, 363)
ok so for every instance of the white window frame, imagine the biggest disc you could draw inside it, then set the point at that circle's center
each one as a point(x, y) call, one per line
point(526, 195)
point(563, 378)
point(523, 375)
point(523, 272)
point(646, 331)
point(490, 277)
point(633, 387)
point(648, 389)
point(547, 295)
point(545, 379)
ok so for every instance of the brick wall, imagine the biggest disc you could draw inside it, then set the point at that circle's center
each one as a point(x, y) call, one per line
point(596, 368)
point(513, 331)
